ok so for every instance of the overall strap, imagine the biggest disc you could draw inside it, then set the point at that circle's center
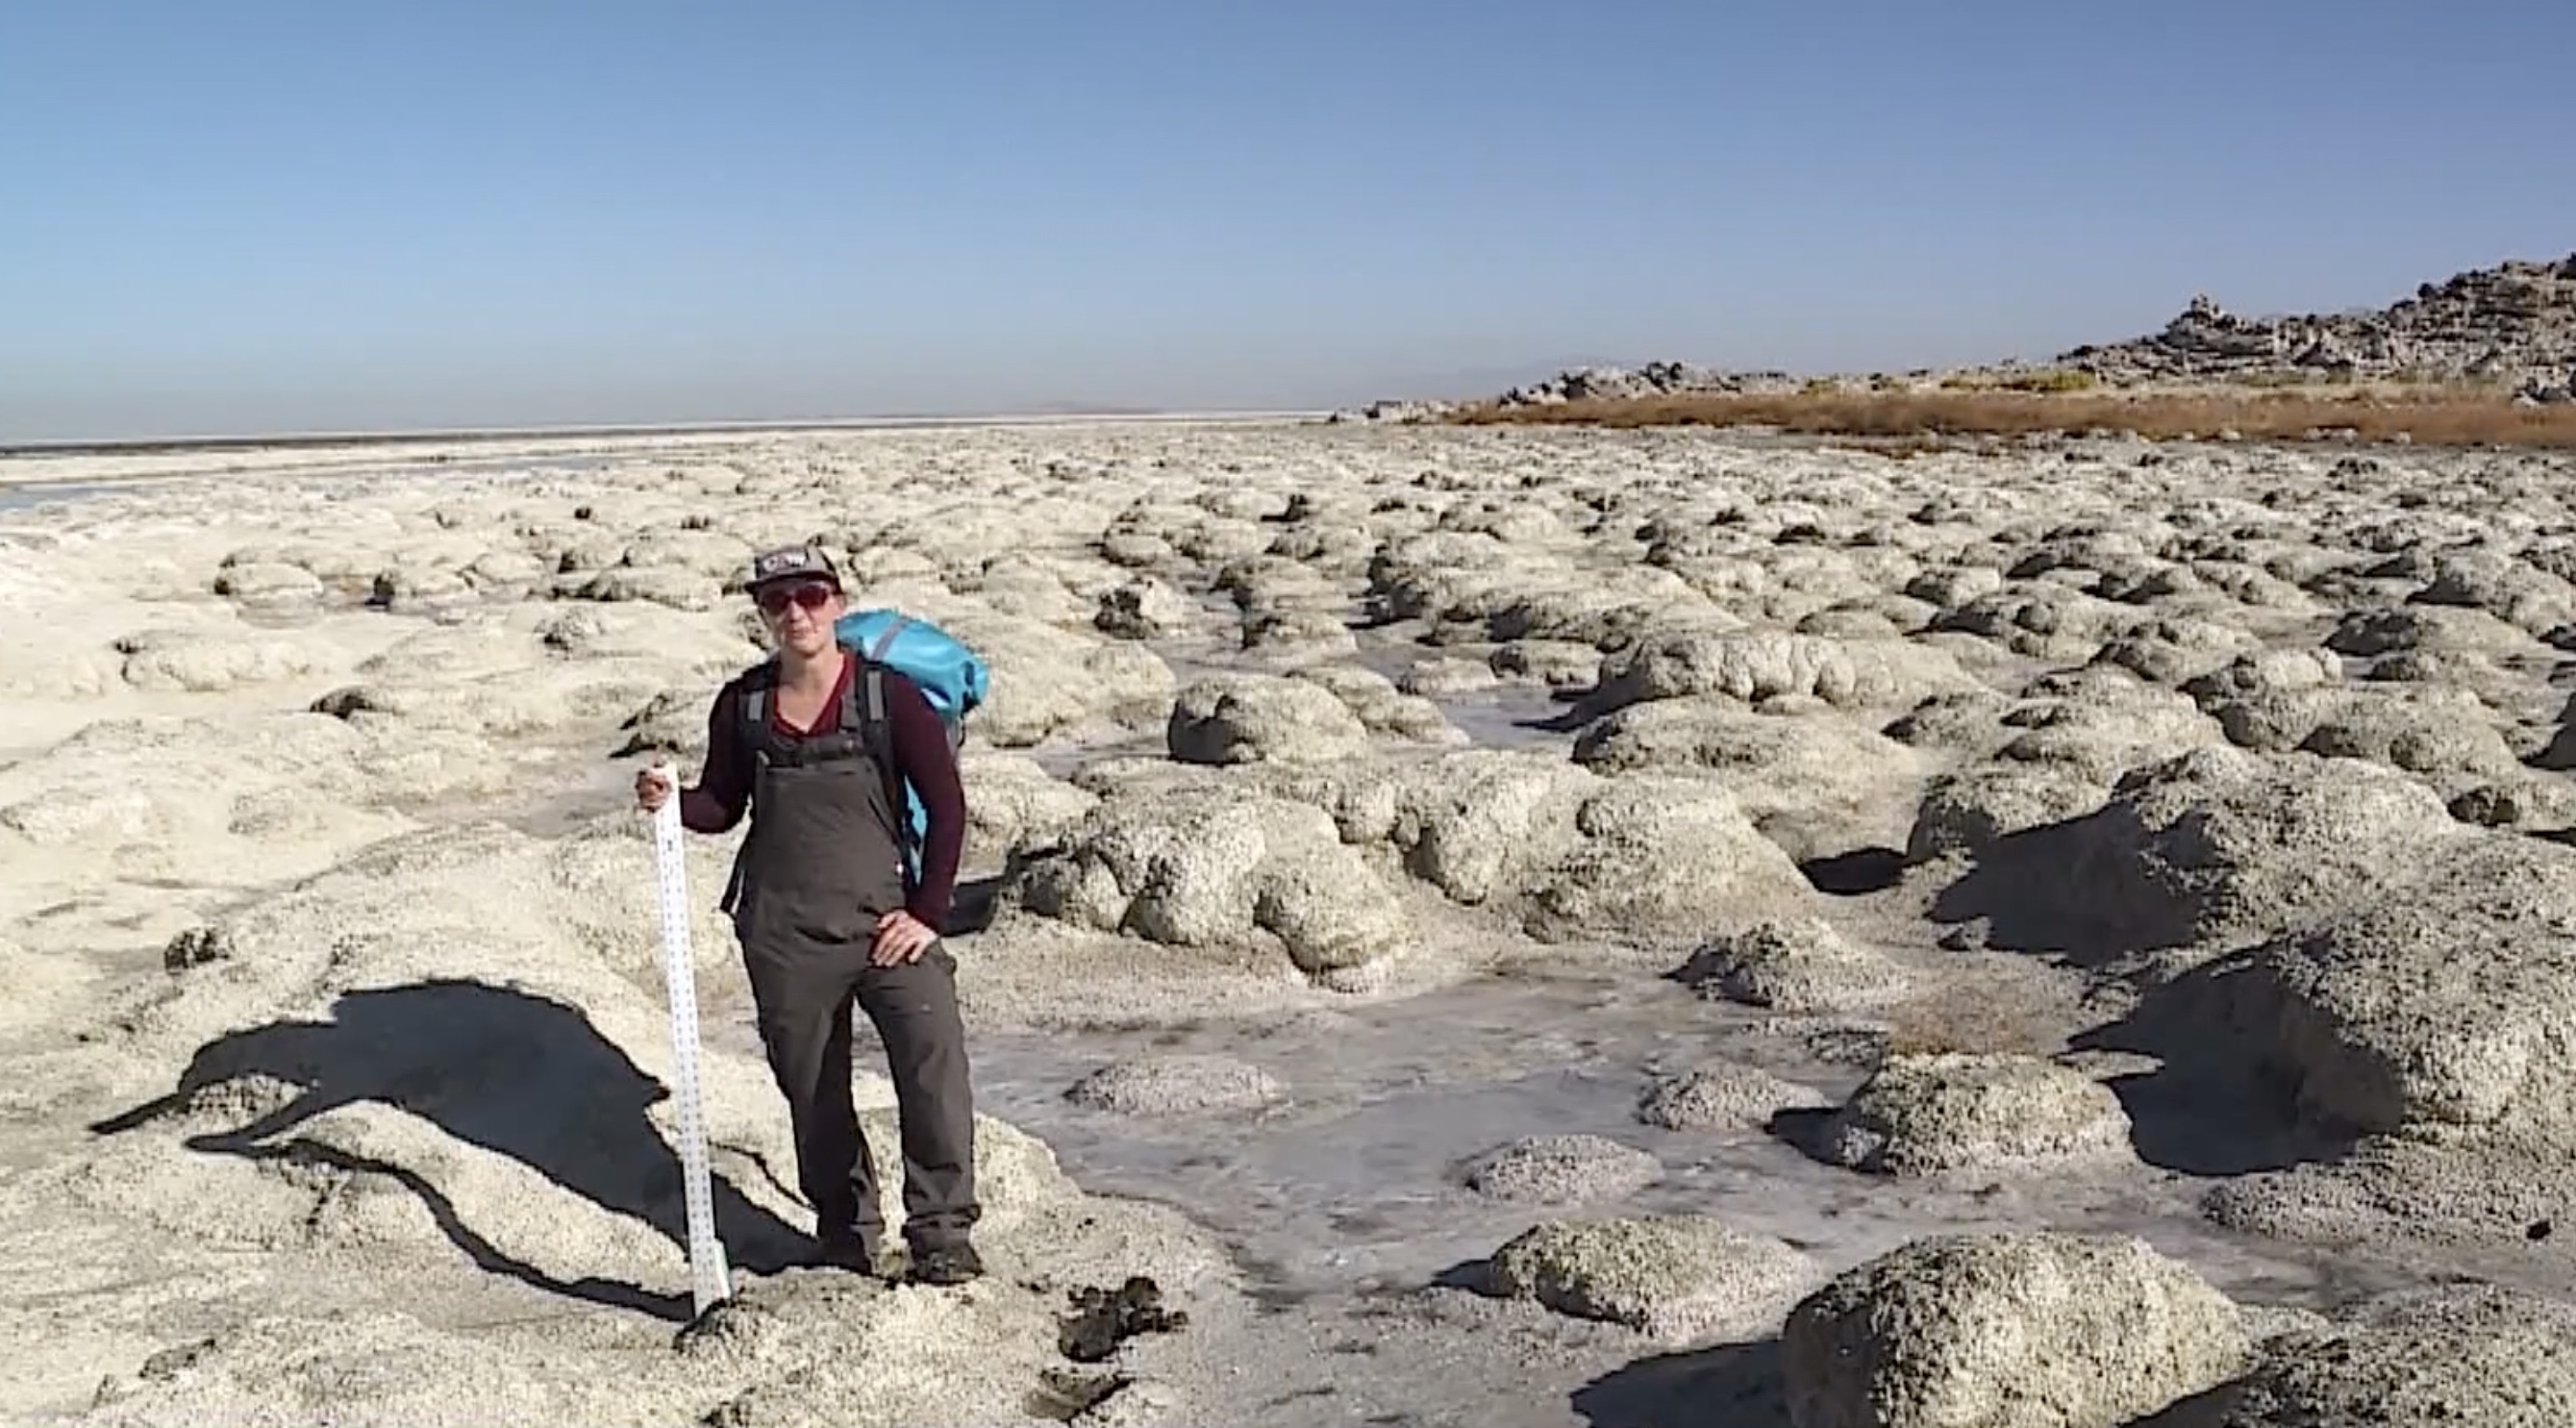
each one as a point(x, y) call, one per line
point(862, 723)
point(765, 746)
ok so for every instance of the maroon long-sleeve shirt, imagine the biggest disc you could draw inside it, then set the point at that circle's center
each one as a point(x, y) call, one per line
point(717, 801)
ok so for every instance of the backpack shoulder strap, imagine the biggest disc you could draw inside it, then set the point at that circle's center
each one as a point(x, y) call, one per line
point(868, 692)
point(755, 687)
point(885, 639)
point(862, 702)
point(756, 684)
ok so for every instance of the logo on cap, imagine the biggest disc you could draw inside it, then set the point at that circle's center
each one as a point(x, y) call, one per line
point(777, 561)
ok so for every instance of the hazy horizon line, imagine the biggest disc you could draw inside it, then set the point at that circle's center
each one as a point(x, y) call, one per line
point(293, 438)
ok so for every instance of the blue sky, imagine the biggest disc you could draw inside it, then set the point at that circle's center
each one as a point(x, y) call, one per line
point(261, 215)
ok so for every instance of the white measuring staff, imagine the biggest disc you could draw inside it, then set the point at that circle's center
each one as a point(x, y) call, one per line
point(709, 1280)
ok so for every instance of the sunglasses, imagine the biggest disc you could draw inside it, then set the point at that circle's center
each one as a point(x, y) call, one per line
point(811, 594)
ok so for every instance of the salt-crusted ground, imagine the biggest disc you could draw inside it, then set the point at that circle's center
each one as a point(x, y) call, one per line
point(1503, 927)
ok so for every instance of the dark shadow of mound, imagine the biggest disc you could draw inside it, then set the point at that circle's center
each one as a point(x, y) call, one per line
point(972, 905)
point(1737, 1385)
point(2229, 1405)
point(1570, 721)
point(1376, 613)
point(508, 1071)
point(2014, 890)
point(2559, 754)
point(2217, 1104)
point(1471, 1276)
point(1858, 873)
point(1808, 1130)
point(1584, 704)
point(2065, 889)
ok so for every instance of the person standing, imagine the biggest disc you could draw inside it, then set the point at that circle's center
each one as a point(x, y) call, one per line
point(816, 744)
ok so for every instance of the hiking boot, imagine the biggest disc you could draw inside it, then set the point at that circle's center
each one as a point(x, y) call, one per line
point(946, 1265)
point(851, 1253)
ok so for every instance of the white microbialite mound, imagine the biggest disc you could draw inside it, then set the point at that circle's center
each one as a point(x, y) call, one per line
point(1995, 849)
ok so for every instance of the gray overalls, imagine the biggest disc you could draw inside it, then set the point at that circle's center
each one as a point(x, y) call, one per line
point(822, 859)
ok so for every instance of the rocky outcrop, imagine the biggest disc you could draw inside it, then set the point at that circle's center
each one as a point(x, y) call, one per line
point(1672, 1277)
point(2030, 1329)
point(1935, 1113)
point(1594, 383)
point(2480, 1354)
point(2514, 324)
point(1654, 379)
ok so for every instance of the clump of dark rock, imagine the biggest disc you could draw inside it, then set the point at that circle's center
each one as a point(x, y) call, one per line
point(1065, 1395)
point(1102, 1319)
point(196, 947)
point(169, 1363)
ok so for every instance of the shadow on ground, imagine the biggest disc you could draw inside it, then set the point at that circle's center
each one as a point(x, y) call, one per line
point(2215, 1104)
point(1858, 873)
point(511, 1072)
point(2230, 1405)
point(2068, 889)
point(1737, 1385)
point(972, 905)
point(1808, 1130)
point(1472, 1276)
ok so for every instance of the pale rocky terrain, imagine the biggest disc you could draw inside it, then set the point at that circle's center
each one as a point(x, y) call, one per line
point(2509, 328)
point(1502, 927)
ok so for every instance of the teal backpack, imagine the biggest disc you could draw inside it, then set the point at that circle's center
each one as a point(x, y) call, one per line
point(950, 675)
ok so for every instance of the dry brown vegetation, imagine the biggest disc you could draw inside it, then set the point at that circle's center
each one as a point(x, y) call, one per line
point(1968, 1018)
point(2445, 417)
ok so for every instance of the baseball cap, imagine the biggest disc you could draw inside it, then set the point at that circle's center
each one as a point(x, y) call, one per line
point(791, 562)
